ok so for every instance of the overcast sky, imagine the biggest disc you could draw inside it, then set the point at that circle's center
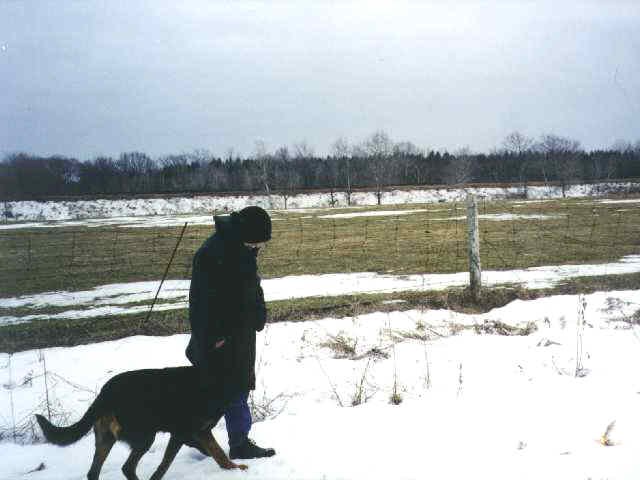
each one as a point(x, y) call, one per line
point(85, 78)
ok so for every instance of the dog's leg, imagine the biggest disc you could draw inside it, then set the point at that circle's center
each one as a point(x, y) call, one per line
point(210, 446)
point(169, 454)
point(104, 441)
point(138, 449)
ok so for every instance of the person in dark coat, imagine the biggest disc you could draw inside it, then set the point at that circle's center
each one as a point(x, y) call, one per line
point(226, 309)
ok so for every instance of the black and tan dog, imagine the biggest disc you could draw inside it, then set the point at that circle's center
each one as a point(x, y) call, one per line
point(133, 406)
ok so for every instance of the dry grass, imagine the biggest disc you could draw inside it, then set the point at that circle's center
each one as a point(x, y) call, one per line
point(341, 345)
point(496, 327)
point(33, 260)
point(605, 438)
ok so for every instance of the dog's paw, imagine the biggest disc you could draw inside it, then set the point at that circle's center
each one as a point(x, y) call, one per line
point(234, 466)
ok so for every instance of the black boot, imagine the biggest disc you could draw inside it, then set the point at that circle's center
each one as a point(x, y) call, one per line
point(248, 449)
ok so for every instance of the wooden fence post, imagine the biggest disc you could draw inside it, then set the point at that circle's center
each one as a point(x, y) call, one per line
point(29, 252)
point(475, 281)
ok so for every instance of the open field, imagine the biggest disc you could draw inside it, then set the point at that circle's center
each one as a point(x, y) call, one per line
point(399, 240)
point(513, 235)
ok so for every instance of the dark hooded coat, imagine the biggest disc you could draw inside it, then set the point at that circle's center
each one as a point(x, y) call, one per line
point(226, 302)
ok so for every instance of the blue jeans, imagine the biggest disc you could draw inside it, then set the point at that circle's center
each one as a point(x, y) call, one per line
point(238, 420)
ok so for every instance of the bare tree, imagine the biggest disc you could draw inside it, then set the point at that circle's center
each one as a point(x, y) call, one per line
point(623, 146)
point(100, 175)
point(560, 155)
point(379, 150)
point(411, 169)
point(202, 173)
point(287, 179)
point(341, 152)
point(460, 167)
point(216, 177)
point(174, 171)
point(305, 164)
point(136, 169)
point(519, 146)
point(265, 166)
point(303, 150)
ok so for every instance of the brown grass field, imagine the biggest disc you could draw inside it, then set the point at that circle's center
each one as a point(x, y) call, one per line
point(574, 231)
point(48, 259)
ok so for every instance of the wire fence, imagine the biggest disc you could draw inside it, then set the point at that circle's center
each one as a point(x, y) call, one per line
point(429, 240)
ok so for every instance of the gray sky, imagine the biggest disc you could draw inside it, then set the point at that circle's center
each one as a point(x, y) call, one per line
point(92, 77)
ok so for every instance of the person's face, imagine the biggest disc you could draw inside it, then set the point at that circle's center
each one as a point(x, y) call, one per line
point(255, 247)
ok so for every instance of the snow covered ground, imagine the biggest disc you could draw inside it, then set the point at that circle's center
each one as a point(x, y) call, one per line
point(393, 213)
point(474, 405)
point(627, 200)
point(156, 221)
point(113, 299)
point(73, 210)
point(159, 221)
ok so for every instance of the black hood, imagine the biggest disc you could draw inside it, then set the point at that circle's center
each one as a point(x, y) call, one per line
point(250, 225)
point(227, 226)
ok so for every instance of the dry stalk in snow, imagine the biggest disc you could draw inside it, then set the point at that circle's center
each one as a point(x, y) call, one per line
point(341, 345)
point(396, 397)
point(333, 387)
point(582, 305)
point(496, 327)
point(361, 395)
point(266, 407)
point(605, 440)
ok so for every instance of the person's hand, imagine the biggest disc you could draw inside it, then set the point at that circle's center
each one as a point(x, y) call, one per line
point(218, 344)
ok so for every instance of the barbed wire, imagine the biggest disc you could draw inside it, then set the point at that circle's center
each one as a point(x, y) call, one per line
point(48, 260)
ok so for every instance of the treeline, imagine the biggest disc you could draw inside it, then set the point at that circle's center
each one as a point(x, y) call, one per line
point(375, 163)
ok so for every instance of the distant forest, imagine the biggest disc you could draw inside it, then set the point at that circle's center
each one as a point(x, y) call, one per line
point(375, 163)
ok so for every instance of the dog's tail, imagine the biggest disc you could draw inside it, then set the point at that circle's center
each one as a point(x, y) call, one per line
point(67, 435)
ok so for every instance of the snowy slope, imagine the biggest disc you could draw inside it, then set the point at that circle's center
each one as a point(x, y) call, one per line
point(474, 405)
point(71, 210)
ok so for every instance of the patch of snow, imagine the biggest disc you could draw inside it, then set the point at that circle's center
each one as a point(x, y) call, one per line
point(527, 202)
point(101, 299)
point(510, 216)
point(628, 200)
point(158, 221)
point(501, 217)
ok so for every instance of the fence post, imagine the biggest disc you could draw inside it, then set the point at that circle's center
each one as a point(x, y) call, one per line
point(333, 240)
point(29, 252)
point(73, 249)
point(475, 281)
